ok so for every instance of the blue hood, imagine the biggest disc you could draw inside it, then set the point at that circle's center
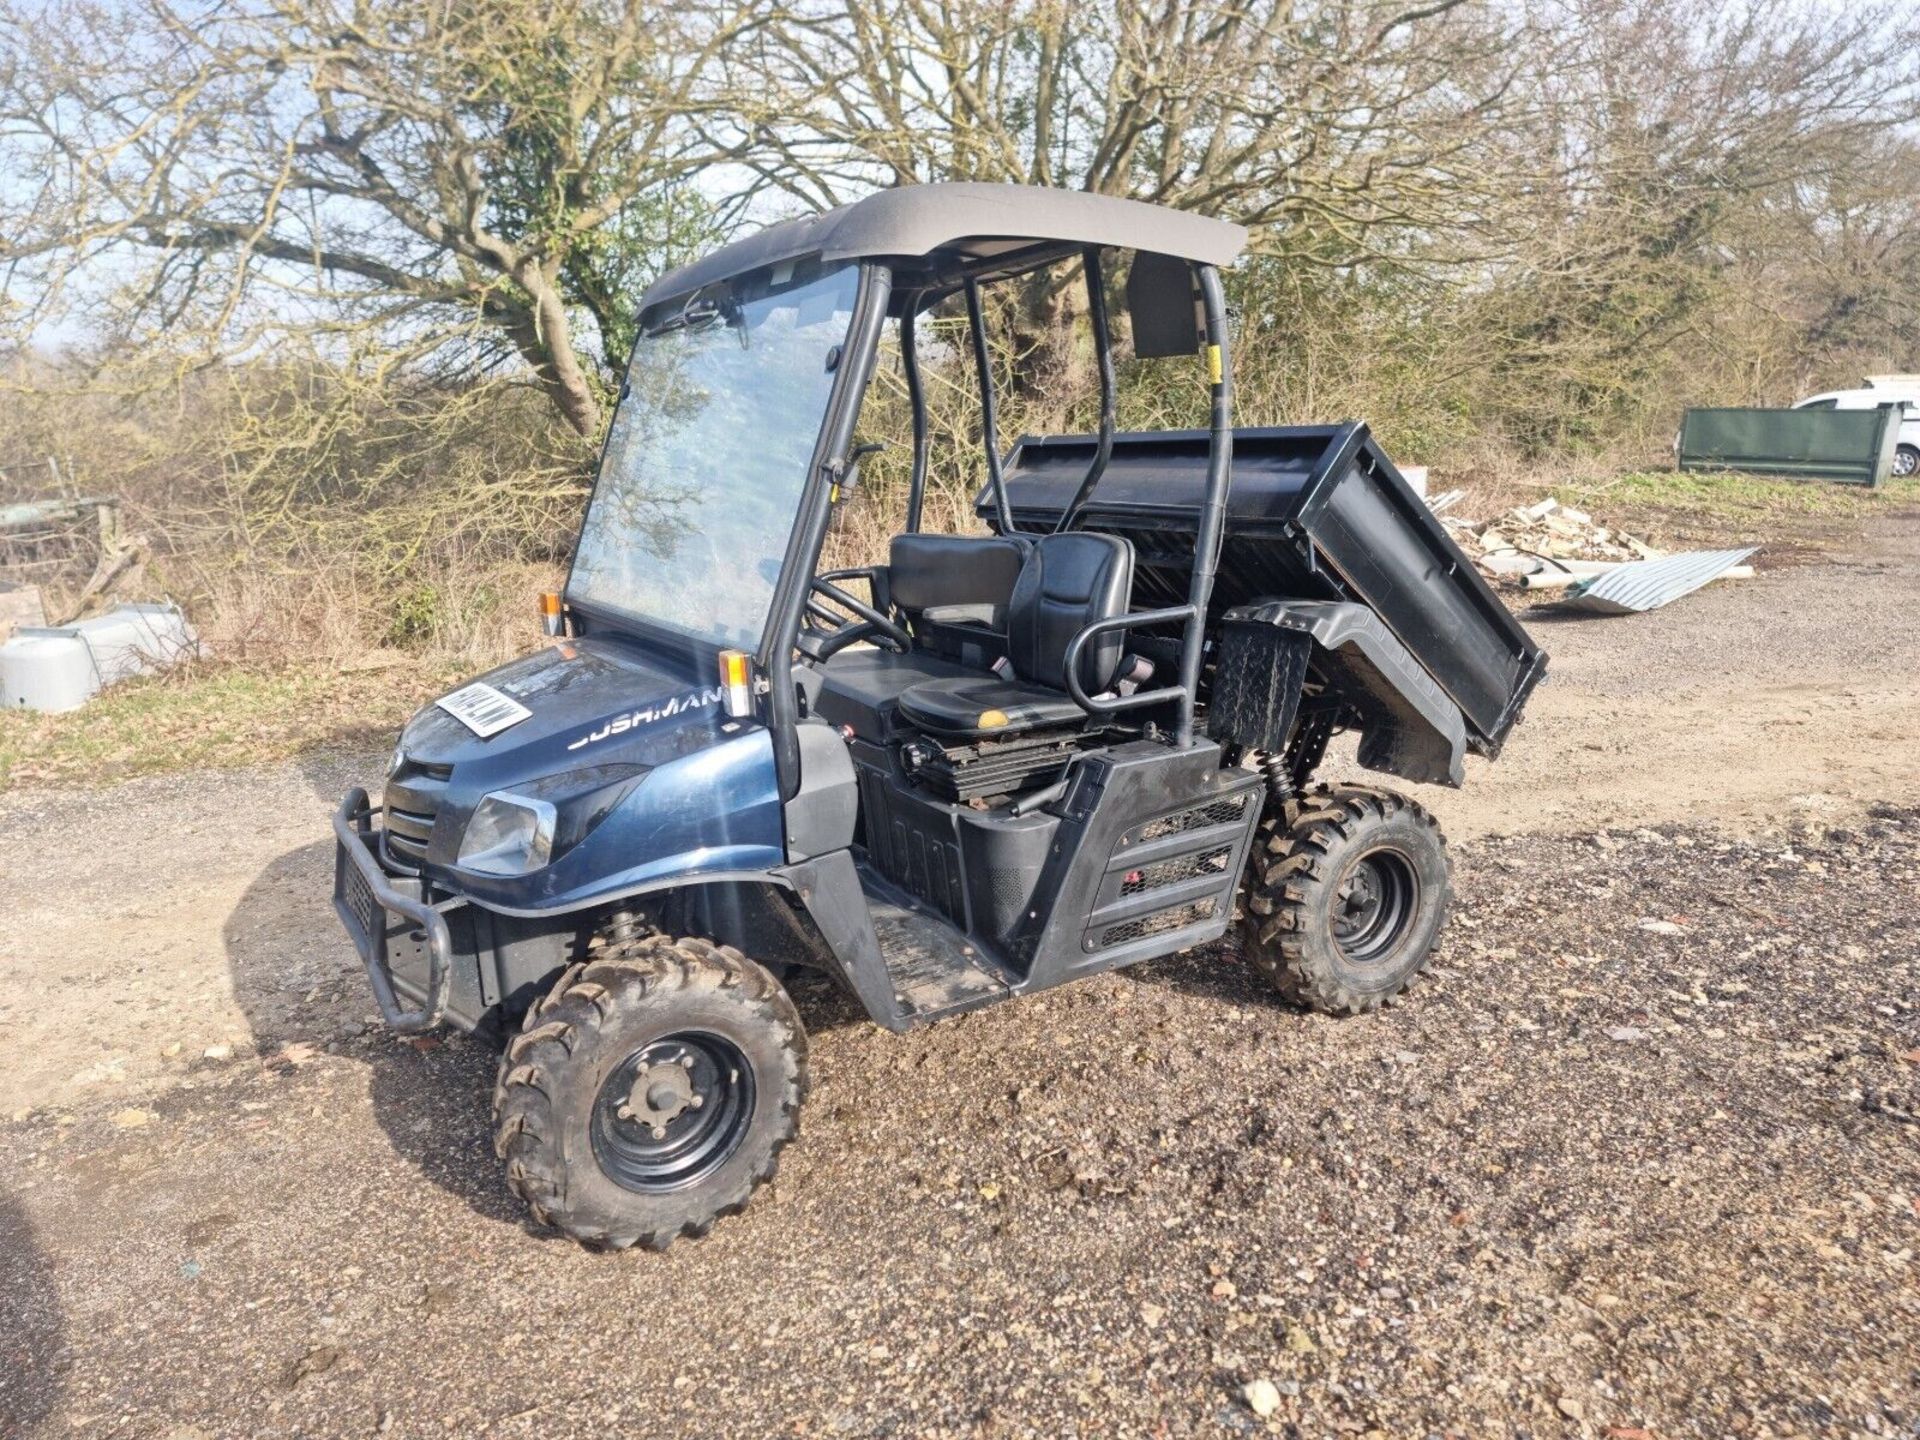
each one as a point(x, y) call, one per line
point(706, 799)
point(585, 694)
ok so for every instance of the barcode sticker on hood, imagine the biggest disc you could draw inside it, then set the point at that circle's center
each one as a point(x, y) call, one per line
point(483, 709)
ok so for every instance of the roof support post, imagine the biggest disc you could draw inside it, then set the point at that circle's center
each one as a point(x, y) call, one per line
point(824, 470)
point(917, 400)
point(1213, 509)
point(1103, 354)
point(989, 416)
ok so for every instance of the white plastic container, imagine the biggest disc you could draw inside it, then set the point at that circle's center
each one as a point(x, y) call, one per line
point(49, 670)
point(135, 640)
point(59, 668)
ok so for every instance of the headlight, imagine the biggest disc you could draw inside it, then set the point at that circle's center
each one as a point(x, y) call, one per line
point(508, 835)
point(517, 831)
point(399, 759)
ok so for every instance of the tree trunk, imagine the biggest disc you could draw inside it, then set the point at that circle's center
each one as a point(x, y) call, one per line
point(544, 338)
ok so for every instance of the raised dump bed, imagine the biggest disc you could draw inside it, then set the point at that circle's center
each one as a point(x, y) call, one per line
point(1315, 512)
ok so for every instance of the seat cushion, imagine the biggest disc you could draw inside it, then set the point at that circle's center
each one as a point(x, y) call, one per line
point(983, 617)
point(1069, 581)
point(986, 706)
point(929, 572)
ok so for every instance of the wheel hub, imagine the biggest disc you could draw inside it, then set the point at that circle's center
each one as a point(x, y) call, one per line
point(661, 1094)
point(1373, 904)
point(672, 1112)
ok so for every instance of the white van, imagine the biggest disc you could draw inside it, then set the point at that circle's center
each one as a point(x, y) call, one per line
point(1880, 393)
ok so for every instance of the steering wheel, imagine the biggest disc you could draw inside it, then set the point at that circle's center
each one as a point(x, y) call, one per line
point(832, 632)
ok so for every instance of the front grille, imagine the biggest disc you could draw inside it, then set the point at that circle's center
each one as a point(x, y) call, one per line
point(412, 804)
point(359, 897)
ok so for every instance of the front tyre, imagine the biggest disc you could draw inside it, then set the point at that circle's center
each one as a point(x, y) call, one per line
point(650, 1092)
point(1906, 460)
point(1346, 894)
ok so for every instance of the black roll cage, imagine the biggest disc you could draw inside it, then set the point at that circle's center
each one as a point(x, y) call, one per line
point(1213, 509)
point(855, 364)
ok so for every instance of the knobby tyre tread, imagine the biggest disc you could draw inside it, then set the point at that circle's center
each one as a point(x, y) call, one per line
point(1299, 854)
point(559, 1033)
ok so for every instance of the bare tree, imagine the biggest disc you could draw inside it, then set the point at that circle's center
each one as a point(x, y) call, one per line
point(1665, 147)
point(446, 177)
point(1336, 119)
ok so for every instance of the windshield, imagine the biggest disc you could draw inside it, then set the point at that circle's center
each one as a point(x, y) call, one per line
point(700, 484)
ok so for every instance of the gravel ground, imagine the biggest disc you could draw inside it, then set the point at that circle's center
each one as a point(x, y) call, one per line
point(1638, 1159)
point(1640, 1156)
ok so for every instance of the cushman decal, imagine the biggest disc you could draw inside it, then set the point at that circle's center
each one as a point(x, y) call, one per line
point(678, 705)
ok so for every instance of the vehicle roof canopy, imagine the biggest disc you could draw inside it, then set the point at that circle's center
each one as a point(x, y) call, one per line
point(960, 229)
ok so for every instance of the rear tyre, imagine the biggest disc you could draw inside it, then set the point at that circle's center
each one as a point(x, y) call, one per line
point(1346, 894)
point(1906, 460)
point(650, 1092)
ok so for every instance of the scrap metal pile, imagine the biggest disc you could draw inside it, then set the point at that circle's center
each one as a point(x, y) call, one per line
point(1549, 546)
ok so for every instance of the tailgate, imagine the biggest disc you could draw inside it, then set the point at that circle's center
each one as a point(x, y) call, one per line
point(1386, 549)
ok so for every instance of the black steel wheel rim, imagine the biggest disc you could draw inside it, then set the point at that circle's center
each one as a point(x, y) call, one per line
point(682, 1129)
point(1373, 905)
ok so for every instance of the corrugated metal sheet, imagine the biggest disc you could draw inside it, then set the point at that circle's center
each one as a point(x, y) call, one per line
point(1649, 584)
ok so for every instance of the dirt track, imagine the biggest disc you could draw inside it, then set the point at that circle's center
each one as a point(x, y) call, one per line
point(1592, 1175)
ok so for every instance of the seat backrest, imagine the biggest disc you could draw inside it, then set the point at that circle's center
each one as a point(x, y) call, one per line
point(937, 570)
point(1068, 582)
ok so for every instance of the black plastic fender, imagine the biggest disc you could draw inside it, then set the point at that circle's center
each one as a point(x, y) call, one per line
point(828, 889)
point(1411, 728)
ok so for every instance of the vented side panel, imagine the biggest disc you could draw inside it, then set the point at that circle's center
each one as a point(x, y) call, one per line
point(1171, 872)
point(1161, 922)
point(1174, 872)
point(1221, 812)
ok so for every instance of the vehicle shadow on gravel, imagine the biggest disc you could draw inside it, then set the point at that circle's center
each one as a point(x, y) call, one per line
point(297, 981)
point(33, 1332)
point(1218, 972)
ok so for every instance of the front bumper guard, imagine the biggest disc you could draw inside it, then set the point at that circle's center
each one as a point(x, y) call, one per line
point(363, 896)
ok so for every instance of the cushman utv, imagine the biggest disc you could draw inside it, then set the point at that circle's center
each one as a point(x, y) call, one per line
point(993, 764)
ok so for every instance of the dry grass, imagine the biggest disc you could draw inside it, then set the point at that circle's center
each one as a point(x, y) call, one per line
point(220, 716)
